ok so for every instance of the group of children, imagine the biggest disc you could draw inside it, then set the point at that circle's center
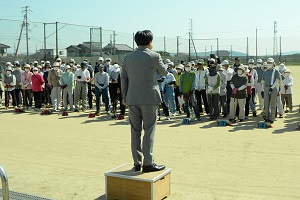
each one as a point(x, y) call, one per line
point(219, 90)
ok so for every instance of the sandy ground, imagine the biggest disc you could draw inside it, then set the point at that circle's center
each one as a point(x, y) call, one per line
point(65, 157)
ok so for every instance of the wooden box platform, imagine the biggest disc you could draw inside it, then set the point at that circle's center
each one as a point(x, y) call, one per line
point(124, 183)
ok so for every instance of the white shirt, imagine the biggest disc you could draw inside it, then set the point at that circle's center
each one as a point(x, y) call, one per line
point(168, 79)
point(289, 82)
point(229, 73)
point(200, 79)
point(85, 75)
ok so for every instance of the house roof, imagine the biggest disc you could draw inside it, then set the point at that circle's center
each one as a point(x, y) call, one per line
point(73, 46)
point(119, 47)
point(4, 46)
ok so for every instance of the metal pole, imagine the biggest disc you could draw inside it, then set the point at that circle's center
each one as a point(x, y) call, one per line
point(189, 46)
point(19, 39)
point(280, 49)
point(164, 43)
point(230, 52)
point(256, 44)
point(205, 51)
point(27, 46)
point(217, 46)
point(91, 29)
point(45, 47)
point(4, 180)
point(100, 41)
point(132, 41)
point(211, 49)
point(114, 38)
point(177, 46)
point(247, 49)
point(56, 23)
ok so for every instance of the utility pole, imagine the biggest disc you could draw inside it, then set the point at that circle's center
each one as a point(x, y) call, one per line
point(177, 46)
point(231, 52)
point(211, 49)
point(217, 46)
point(100, 41)
point(164, 43)
point(45, 51)
point(111, 44)
point(56, 25)
point(91, 29)
point(133, 41)
point(256, 44)
point(205, 49)
point(275, 40)
point(189, 46)
point(19, 40)
point(114, 37)
point(26, 25)
point(280, 52)
point(247, 49)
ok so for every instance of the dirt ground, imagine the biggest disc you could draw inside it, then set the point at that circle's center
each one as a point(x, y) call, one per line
point(65, 157)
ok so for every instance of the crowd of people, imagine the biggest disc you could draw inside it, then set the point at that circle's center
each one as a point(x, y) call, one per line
point(215, 88)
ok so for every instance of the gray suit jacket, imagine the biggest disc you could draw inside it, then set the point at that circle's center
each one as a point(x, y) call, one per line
point(138, 77)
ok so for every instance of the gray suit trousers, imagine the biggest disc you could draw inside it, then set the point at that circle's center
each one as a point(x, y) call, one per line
point(142, 116)
point(270, 102)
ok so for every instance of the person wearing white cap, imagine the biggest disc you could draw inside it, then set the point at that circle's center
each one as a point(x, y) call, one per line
point(286, 90)
point(179, 70)
point(239, 93)
point(47, 89)
point(249, 102)
point(113, 86)
point(9, 82)
point(27, 86)
point(255, 78)
point(258, 84)
point(222, 98)
point(279, 104)
point(67, 85)
point(99, 62)
point(228, 71)
point(169, 94)
point(200, 91)
point(72, 65)
point(101, 80)
point(270, 79)
point(37, 89)
point(18, 88)
point(171, 68)
point(54, 82)
point(107, 65)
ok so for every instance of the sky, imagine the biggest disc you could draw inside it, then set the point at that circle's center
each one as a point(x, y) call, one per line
point(231, 21)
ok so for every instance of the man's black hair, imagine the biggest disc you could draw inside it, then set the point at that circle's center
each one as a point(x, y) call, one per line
point(143, 38)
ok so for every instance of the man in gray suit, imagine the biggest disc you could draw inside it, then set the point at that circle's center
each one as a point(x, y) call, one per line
point(141, 93)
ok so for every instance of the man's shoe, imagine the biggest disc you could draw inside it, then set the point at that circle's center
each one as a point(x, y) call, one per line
point(153, 168)
point(76, 110)
point(254, 114)
point(97, 113)
point(137, 167)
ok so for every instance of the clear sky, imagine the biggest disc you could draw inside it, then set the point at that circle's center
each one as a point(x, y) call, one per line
point(231, 21)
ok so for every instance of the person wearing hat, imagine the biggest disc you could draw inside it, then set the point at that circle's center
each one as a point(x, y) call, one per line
point(67, 85)
point(72, 65)
point(249, 102)
point(160, 81)
point(239, 94)
point(99, 62)
point(171, 68)
point(82, 78)
point(37, 89)
point(187, 88)
point(258, 84)
point(107, 65)
point(47, 89)
point(35, 64)
point(113, 86)
point(54, 82)
point(169, 94)
point(222, 98)
point(101, 80)
point(255, 78)
point(213, 83)
point(286, 90)
point(228, 71)
point(90, 93)
point(270, 79)
point(27, 86)
point(237, 63)
point(18, 88)
point(9, 82)
point(179, 69)
point(200, 91)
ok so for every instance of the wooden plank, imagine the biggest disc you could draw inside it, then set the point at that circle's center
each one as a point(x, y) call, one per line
point(162, 188)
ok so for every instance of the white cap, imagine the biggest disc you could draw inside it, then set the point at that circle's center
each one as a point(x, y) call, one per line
point(282, 67)
point(16, 62)
point(8, 68)
point(27, 66)
point(42, 62)
point(168, 60)
point(35, 62)
point(270, 60)
point(251, 61)
point(35, 69)
point(259, 60)
point(225, 62)
point(58, 60)
point(246, 69)
point(219, 67)
point(55, 64)
point(100, 58)
point(192, 62)
point(68, 67)
point(180, 66)
point(171, 63)
point(8, 64)
point(107, 59)
point(72, 60)
point(287, 71)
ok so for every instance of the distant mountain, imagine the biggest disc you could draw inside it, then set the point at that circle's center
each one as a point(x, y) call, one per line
point(290, 53)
